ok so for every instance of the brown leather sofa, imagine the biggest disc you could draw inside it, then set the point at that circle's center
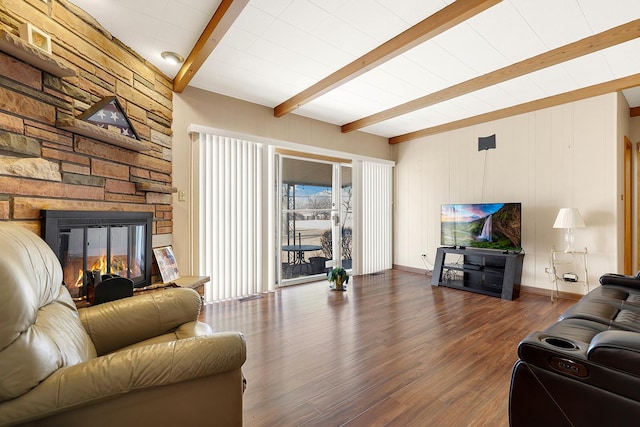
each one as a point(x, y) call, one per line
point(139, 361)
point(584, 370)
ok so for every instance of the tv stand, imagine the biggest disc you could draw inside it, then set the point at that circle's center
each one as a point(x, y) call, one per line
point(486, 272)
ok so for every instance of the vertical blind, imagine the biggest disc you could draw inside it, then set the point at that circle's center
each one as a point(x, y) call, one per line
point(376, 217)
point(230, 216)
point(234, 228)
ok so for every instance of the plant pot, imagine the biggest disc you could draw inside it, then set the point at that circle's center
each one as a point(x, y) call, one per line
point(339, 285)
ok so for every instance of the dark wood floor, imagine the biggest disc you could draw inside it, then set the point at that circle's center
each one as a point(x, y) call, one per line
point(392, 350)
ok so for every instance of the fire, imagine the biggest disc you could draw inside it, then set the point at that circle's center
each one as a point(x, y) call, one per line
point(78, 283)
point(99, 264)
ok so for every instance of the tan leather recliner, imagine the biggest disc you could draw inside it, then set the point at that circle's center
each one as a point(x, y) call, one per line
point(139, 361)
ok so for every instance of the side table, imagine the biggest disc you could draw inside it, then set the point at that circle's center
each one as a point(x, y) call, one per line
point(565, 257)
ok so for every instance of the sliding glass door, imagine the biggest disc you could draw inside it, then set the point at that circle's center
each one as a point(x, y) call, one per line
point(315, 210)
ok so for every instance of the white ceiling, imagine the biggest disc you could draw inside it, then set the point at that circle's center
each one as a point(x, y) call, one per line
point(277, 48)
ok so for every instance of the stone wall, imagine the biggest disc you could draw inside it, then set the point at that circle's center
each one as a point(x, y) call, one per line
point(45, 167)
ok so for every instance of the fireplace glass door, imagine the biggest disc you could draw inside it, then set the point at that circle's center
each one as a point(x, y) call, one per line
point(118, 250)
point(112, 243)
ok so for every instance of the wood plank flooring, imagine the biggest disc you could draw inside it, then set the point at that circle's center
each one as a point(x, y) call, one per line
point(392, 350)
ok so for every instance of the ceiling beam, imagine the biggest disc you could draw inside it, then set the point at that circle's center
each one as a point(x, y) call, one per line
point(634, 112)
point(527, 107)
point(439, 22)
point(220, 22)
point(611, 37)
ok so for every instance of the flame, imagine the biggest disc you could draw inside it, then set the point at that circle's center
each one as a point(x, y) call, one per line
point(99, 264)
point(118, 266)
point(78, 283)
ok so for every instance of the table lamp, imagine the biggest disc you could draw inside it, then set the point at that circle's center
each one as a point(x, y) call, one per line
point(569, 218)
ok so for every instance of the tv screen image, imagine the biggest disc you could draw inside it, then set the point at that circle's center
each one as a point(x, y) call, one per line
point(481, 225)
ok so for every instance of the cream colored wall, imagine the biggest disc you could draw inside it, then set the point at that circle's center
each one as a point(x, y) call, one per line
point(557, 157)
point(552, 158)
point(198, 107)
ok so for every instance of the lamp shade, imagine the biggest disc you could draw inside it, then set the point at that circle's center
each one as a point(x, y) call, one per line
point(569, 218)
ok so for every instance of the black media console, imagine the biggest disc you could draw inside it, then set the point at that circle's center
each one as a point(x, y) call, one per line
point(487, 272)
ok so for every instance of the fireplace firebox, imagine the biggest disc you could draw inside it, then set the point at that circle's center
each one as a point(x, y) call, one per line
point(112, 242)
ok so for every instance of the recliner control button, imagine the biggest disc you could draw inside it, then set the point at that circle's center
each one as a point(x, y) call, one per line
point(570, 367)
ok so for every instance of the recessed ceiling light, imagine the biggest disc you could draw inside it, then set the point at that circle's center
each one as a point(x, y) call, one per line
point(172, 58)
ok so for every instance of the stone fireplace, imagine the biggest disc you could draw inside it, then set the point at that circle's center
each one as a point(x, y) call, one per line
point(44, 164)
point(112, 242)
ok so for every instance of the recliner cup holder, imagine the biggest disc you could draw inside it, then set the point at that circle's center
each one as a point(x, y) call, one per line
point(560, 343)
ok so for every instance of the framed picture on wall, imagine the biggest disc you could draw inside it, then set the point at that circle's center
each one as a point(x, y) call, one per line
point(166, 264)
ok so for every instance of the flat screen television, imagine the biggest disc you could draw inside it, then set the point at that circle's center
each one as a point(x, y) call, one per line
point(481, 225)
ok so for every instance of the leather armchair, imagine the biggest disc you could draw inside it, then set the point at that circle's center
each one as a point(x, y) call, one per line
point(142, 360)
point(584, 370)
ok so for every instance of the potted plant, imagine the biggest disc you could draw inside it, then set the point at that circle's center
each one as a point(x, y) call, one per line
point(340, 276)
